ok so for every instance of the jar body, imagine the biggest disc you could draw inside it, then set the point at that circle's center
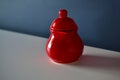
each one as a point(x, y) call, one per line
point(64, 47)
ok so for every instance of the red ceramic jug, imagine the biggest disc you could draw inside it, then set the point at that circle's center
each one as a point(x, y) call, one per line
point(64, 44)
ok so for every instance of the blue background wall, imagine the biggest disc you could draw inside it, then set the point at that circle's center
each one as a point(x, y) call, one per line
point(98, 20)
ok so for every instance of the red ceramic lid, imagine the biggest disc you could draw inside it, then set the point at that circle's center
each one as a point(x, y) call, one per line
point(63, 23)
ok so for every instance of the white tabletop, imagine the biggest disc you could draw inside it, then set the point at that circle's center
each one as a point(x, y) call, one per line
point(23, 57)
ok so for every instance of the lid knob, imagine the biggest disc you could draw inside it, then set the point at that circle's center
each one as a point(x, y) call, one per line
point(62, 13)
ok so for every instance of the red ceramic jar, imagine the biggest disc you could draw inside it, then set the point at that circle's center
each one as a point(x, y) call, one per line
point(64, 44)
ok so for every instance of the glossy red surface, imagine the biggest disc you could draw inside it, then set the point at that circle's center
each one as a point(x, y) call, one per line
point(64, 44)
